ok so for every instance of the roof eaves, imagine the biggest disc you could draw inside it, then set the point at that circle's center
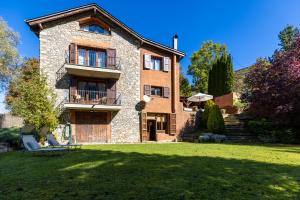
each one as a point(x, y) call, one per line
point(42, 19)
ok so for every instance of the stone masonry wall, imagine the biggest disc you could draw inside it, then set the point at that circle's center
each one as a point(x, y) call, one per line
point(54, 42)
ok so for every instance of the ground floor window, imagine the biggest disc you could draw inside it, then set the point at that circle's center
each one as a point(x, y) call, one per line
point(157, 121)
point(161, 122)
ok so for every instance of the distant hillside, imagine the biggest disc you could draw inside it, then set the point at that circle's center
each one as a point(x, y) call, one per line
point(239, 76)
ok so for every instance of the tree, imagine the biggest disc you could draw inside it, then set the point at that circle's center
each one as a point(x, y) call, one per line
point(287, 36)
point(273, 88)
point(207, 108)
point(185, 87)
point(9, 55)
point(215, 121)
point(201, 63)
point(29, 67)
point(220, 80)
point(30, 97)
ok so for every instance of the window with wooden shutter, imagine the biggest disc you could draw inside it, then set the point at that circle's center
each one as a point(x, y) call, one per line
point(147, 61)
point(111, 91)
point(147, 90)
point(166, 92)
point(73, 88)
point(72, 53)
point(167, 64)
point(172, 123)
point(111, 58)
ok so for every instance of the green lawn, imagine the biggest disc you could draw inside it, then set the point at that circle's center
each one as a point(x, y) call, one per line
point(155, 171)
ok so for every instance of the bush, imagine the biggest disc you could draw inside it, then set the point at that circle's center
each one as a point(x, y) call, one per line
point(270, 132)
point(10, 136)
point(208, 105)
point(260, 127)
point(215, 122)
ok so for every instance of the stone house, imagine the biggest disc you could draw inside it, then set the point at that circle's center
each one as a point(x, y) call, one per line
point(103, 71)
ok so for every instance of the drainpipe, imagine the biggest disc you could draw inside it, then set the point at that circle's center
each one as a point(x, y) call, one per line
point(173, 74)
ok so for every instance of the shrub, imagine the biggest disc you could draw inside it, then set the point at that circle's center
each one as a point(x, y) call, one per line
point(268, 131)
point(208, 105)
point(10, 136)
point(215, 122)
point(260, 127)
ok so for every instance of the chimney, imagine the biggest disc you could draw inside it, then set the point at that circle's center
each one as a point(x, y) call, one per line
point(175, 41)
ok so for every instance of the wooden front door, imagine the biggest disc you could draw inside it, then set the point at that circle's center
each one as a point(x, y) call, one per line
point(92, 127)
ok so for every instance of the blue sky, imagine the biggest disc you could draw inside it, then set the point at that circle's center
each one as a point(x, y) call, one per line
point(248, 28)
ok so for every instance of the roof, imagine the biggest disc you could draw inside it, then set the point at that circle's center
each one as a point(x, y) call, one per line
point(37, 22)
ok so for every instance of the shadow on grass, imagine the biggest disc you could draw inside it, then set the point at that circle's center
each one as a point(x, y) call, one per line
point(99, 174)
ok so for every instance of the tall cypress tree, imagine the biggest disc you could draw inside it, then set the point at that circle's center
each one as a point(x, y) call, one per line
point(220, 78)
point(229, 76)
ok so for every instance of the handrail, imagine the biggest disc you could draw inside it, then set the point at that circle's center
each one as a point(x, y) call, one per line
point(93, 97)
point(92, 60)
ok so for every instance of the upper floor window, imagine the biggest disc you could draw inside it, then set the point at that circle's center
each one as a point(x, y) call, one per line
point(94, 28)
point(155, 63)
point(157, 91)
point(90, 57)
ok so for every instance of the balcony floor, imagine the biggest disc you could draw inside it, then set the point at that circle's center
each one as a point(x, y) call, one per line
point(94, 72)
point(79, 106)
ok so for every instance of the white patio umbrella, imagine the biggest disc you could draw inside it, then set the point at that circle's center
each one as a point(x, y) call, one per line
point(200, 97)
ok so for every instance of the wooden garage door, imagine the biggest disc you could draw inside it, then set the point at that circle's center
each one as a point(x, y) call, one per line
point(91, 127)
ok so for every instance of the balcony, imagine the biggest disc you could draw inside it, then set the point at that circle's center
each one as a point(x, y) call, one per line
point(92, 63)
point(92, 100)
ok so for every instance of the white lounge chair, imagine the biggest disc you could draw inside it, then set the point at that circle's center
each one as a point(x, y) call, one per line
point(54, 143)
point(31, 145)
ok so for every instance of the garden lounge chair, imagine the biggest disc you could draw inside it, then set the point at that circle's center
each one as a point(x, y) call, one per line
point(31, 145)
point(54, 143)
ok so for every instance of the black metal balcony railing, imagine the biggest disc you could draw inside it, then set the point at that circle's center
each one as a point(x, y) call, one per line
point(92, 59)
point(93, 97)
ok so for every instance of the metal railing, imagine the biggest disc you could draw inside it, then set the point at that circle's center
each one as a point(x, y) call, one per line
point(93, 59)
point(93, 97)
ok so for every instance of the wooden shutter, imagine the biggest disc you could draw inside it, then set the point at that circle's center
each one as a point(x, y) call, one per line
point(166, 92)
point(167, 64)
point(73, 88)
point(147, 90)
point(111, 58)
point(147, 61)
point(111, 91)
point(72, 53)
point(172, 123)
point(144, 133)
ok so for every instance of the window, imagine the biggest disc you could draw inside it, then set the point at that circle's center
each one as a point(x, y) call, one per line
point(161, 122)
point(101, 59)
point(155, 63)
point(92, 58)
point(95, 28)
point(157, 91)
point(81, 56)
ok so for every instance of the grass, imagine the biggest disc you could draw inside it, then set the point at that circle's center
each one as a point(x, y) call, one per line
point(155, 171)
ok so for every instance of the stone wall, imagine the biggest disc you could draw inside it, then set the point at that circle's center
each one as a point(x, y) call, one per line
point(8, 120)
point(55, 39)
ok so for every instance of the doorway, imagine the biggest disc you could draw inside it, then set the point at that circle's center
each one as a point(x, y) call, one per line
point(151, 129)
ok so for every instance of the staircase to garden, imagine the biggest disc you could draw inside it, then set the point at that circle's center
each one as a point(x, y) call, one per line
point(236, 131)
